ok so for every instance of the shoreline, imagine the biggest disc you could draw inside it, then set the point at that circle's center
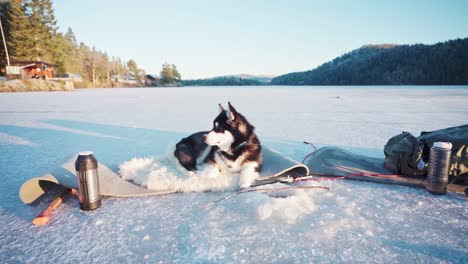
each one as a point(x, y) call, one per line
point(35, 85)
point(19, 86)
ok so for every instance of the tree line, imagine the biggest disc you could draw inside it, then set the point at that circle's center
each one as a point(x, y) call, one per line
point(443, 63)
point(31, 33)
point(222, 81)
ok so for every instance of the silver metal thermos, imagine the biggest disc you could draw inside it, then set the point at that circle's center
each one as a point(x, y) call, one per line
point(88, 181)
point(439, 164)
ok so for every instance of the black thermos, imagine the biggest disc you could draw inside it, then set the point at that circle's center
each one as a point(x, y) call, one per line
point(88, 181)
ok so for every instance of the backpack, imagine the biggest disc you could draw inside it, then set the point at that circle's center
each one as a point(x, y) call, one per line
point(458, 136)
point(403, 152)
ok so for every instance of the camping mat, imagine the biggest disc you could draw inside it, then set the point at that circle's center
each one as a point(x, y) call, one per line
point(333, 161)
point(111, 184)
point(340, 162)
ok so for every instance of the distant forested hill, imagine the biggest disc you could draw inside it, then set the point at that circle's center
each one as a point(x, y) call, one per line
point(440, 64)
point(221, 81)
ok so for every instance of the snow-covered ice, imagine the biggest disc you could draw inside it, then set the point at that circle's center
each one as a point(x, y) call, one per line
point(352, 222)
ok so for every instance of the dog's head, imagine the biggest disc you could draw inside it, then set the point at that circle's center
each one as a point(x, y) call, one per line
point(228, 127)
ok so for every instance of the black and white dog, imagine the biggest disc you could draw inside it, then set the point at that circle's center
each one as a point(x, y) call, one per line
point(231, 146)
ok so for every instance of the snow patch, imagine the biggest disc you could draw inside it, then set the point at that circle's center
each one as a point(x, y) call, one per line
point(99, 222)
point(289, 207)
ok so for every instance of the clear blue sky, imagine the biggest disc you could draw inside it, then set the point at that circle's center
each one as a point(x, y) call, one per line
point(216, 37)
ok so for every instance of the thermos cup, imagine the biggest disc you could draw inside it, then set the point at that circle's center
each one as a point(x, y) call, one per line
point(439, 163)
point(88, 181)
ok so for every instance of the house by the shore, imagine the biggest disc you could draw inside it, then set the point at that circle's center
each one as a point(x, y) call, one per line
point(29, 69)
point(152, 80)
point(129, 79)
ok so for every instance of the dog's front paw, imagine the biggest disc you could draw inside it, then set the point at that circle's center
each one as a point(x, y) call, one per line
point(209, 171)
point(247, 177)
point(245, 184)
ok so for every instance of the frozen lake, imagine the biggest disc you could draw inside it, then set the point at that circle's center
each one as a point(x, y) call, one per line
point(353, 222)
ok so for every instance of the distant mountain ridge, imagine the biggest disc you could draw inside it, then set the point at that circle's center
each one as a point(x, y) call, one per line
point(221, 81)
point(390, 64)
point(260, 77)
point(231, 80)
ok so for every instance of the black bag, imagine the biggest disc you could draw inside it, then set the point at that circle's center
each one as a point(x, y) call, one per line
point(458, 136)
point(402, 154)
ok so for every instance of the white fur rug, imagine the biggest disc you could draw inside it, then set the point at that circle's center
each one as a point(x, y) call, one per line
point(165, 173)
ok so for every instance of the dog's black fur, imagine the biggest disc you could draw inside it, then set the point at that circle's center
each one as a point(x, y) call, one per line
point(189, 149)
point(246, 143)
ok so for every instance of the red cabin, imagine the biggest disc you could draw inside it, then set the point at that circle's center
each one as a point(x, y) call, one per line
point(30, 70)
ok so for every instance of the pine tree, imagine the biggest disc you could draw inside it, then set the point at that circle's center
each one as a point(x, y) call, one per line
point(70, 36)
point(62, 56)
point(49, 19)
point(34, 11)
point(41, 15)
point(69, 53)
point(52, 42)
point(4, 7)
point(20, 39)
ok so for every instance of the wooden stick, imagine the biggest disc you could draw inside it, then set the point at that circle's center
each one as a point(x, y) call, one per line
point(42, 218)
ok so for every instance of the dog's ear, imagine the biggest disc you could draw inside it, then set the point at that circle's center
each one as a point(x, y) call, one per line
point(221, 108)
point(231, 113)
